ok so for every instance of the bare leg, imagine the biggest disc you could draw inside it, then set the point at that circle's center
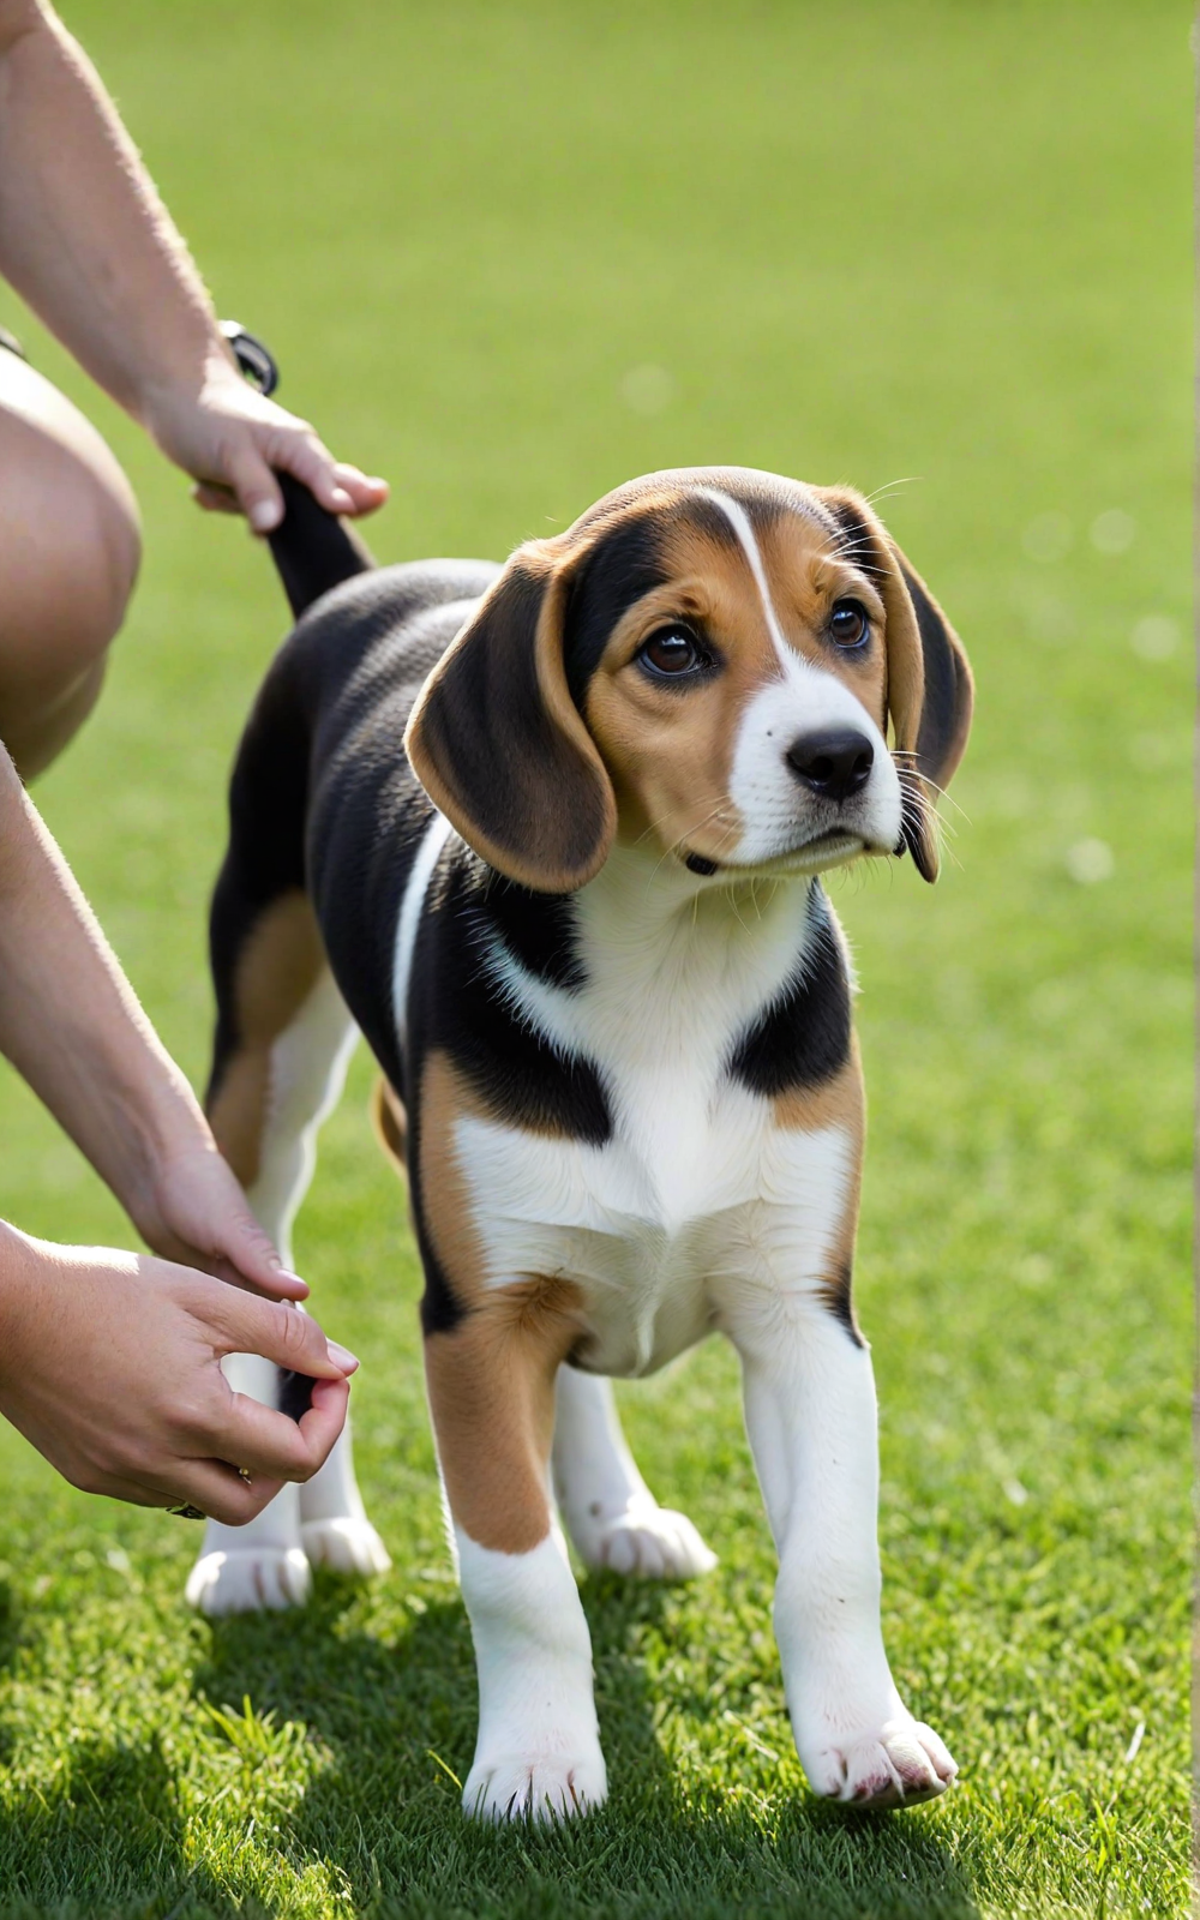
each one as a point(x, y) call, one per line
point(611, 1514)
point(71, 544)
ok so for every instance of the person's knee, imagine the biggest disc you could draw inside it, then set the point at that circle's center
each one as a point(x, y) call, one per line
point(69, 529)
point(97, 548)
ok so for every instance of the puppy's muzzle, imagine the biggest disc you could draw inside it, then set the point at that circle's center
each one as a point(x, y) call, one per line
point(834, 765)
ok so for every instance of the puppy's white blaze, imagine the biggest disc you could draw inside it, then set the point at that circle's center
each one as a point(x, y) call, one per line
point(762, 789)
point(739, 520)
point(409, 919)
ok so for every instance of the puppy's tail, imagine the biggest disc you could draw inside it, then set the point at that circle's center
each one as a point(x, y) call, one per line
point(312, 549)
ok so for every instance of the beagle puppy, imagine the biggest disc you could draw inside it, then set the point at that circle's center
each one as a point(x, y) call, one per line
point(551, 835)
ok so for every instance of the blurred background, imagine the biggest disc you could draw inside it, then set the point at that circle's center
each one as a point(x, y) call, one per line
point(509, 255)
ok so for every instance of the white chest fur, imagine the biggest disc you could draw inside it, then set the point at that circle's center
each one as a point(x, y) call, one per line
point(697, 1189)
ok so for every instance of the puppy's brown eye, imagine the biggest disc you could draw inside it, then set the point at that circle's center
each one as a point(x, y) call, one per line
point(672, 651)
point(848, 623)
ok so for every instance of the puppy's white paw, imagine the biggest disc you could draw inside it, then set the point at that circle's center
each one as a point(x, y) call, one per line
point(644, 1540)
point(346, 1545)
point(894, 1764)
point(248, 1580)
point(543, 1787)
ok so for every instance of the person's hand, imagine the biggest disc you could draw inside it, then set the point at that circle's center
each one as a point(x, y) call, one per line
point(229, 437)
point(192, 1210)
point(110, 1366)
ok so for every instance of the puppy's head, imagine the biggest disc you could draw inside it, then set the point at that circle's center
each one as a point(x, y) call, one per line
point(707, 663)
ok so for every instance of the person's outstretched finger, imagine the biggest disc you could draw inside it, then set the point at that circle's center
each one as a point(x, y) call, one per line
point(273, 1281)
point(336, 486)
point(367, 491)
point(201, 1219)
point(300, 453)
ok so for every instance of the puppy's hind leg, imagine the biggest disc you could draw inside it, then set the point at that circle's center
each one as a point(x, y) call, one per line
point(284, 1040)
point(611, 1514)
point(310, 1071)
point(334, 1528)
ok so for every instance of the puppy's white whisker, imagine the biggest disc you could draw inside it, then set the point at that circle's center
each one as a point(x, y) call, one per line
point(890, 487)
point(944, 794)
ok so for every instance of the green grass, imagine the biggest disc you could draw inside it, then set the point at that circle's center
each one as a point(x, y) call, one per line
point(945, 240)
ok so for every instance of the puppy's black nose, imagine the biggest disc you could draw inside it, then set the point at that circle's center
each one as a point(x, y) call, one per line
point(834, 764)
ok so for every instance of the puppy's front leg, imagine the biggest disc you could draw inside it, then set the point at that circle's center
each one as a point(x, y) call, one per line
point(810, 1415)
point(491, 1391)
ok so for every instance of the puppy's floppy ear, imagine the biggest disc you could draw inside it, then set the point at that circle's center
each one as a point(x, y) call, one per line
point(930, 691)
point(498, 743)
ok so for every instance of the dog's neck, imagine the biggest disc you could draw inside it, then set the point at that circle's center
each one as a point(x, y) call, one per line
point(644, 901)
point(649, 965)
point(681, 963)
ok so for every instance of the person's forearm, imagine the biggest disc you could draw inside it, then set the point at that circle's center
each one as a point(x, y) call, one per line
point(84, 236)
point(86, 239)
point(69, 1020)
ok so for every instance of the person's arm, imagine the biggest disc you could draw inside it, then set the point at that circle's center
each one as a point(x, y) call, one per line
point(72, 1026)
point(87, 242)
point(110, 1362)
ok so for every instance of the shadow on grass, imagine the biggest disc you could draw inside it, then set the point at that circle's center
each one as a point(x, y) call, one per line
point(103, 1837)
point(397, 1722)
point(379, 1729)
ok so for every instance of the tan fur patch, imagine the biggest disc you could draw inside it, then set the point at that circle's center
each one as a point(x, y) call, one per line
point(237, 1111)
point(491, 1377)
point(491, 1393)
point(446, 1205)
point(390, 1124)
point(277, 969)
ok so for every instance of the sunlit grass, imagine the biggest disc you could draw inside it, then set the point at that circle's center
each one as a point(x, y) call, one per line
point(511, 255)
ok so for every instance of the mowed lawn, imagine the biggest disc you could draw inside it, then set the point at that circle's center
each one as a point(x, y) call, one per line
point(510, 255)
